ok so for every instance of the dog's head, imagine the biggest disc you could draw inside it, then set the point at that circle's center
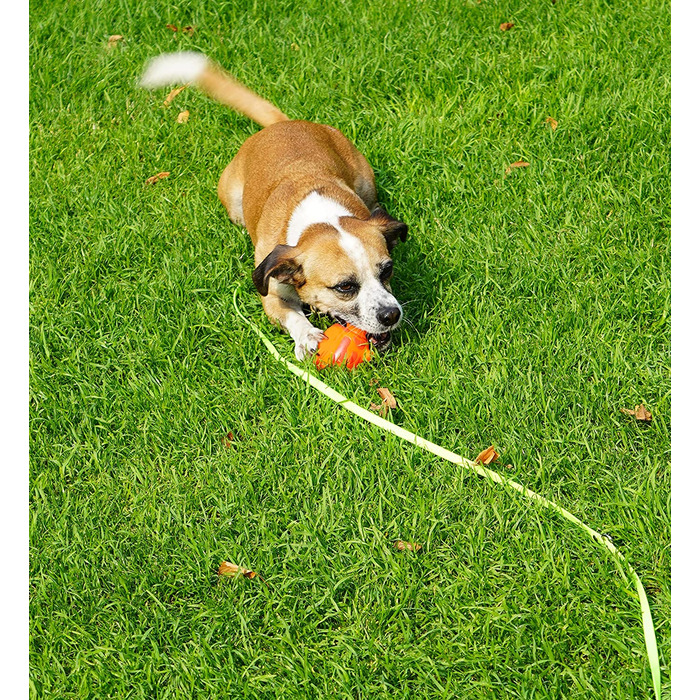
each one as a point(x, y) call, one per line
point(343, 271)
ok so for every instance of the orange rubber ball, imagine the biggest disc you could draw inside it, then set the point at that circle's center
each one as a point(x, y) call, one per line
point(343, 344)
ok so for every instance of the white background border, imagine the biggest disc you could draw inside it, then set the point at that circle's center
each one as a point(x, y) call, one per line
point(14, 287)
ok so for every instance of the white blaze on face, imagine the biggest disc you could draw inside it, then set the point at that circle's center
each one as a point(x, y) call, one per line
point(317, 209)
point(373, 295)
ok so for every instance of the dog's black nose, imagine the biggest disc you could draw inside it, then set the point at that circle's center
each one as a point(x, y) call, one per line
point(389, 315)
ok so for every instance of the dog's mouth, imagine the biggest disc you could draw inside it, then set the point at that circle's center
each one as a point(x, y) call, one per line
point(379, 341)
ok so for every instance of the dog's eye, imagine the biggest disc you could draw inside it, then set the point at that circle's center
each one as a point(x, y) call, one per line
point(347, 287)
point(387, 271)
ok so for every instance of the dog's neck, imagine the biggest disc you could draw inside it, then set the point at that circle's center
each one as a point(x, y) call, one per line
point(323, 206)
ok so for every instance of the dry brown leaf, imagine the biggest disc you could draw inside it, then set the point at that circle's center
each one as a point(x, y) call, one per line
point(183, 117)
point(640, 413)
point(506, 26)
point(226, 568)
point(114, 40)
point(552, 122)
point(388, 401)
point(155, 178)
point(171, 26)
point(387, 397)
point(517, 164)
point(188, 30)
point(172, 95)
point(407, 546)
point(227, 439)
point(487, 456)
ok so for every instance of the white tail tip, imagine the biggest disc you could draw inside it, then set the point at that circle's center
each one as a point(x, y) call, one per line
point(170, 68)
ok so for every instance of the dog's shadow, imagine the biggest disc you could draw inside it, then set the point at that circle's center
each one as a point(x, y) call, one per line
point(415, 284)
point(418, 278)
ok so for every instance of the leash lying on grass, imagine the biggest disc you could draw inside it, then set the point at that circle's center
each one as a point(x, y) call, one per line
point(321, 387)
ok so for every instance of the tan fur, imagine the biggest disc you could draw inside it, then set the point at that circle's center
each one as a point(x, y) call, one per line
point(287, 161)
point(224, 88)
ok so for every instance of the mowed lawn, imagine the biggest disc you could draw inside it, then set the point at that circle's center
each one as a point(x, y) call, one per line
point(537, 305)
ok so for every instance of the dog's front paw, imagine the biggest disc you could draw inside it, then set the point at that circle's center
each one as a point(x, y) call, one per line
point(306, 343)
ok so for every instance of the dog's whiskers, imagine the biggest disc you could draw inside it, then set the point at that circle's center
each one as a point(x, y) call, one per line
point(410, 323)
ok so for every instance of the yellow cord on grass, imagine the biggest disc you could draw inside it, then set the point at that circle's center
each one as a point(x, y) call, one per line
point(316, 383)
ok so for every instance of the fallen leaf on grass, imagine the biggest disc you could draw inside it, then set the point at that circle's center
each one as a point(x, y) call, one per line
point(517, 164)
point(407, 546)
point(552, 122)
point(227, 439)
point(172, 95)
point(388, 401)
point(113, 41)
point(183, 117)
point(189, 30)
point(640, 413)
point(387, 397)
point(229, 570)
point(155, 178)
point(506, 26)
point(487, 456)
point(226, 568)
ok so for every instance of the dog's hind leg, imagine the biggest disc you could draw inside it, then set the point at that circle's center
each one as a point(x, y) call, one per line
point(230, 190)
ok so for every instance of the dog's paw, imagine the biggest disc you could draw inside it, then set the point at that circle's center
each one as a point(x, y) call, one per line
point(307, 342)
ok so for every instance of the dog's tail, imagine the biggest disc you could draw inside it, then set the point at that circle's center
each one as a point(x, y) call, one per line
point(210, 78)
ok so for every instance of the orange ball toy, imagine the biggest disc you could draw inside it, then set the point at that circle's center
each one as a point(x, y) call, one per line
point(343, 344)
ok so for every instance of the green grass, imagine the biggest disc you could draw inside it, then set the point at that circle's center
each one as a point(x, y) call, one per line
point(537, 305)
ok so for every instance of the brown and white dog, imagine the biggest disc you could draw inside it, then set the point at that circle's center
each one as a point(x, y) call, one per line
point(308, 199)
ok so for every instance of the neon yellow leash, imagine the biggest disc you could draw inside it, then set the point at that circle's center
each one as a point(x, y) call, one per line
point(305, 375)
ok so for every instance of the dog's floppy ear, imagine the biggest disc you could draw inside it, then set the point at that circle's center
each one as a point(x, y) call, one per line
point(280, 264)
point(392, 229)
